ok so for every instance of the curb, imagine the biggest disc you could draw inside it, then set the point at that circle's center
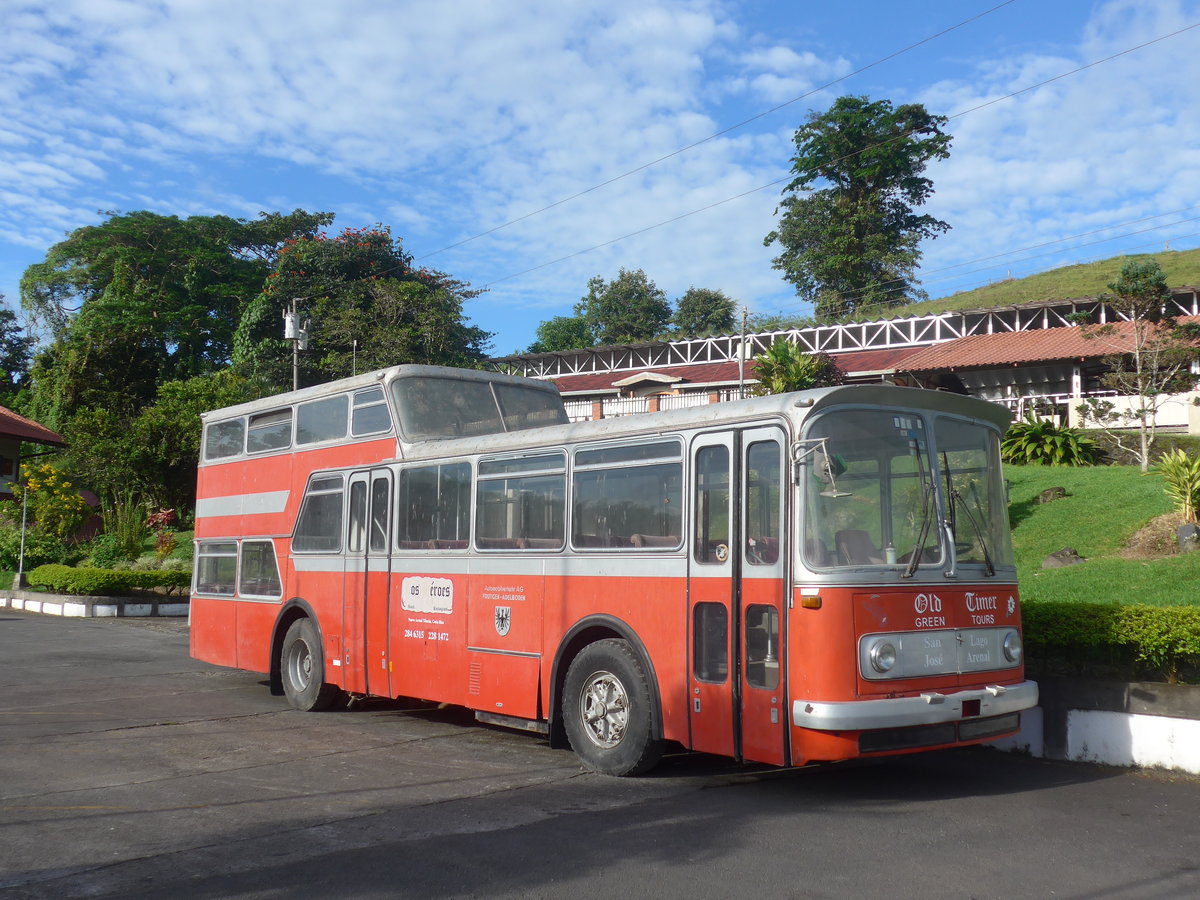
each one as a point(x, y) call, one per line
point(87, 607)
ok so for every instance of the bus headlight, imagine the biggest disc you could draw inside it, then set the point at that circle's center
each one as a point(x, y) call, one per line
point(882, 656)
point(1012, 647)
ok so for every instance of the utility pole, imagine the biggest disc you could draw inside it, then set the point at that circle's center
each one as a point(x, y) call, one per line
point(297, 332)
point(742, 357)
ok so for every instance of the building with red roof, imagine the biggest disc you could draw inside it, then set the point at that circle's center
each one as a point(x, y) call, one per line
point(14, 430)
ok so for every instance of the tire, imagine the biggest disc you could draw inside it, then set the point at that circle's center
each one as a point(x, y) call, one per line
point(302, 668)
point(607, 710)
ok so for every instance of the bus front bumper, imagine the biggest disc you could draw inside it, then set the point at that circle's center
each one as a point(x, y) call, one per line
point(929, 708)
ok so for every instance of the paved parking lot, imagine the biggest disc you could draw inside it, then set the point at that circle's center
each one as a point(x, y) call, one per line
point(130, 769)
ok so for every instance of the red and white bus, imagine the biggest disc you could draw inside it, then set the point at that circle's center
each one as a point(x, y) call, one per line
point(806, 577)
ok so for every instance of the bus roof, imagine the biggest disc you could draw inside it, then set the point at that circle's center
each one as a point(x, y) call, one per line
point(798, 405)
point(368, 379)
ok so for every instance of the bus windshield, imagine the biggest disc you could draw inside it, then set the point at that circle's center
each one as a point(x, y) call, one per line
point(876, 496)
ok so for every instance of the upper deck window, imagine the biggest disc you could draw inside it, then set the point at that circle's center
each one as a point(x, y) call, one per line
point(370, 414)
point(438, 407)
point(269, 431)
point(322, 420)
point(224, 439)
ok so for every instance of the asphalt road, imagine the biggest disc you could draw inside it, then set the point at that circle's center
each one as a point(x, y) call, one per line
point(128, 769)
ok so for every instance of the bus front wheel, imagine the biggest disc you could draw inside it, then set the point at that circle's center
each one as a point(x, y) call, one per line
point(302, 665)
point(607, 710)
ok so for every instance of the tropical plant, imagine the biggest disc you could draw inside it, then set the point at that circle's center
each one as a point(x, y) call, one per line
point(1181, 477)
point(125, 520)
point(785, 367)
point(52, 501)
point(1039, 441)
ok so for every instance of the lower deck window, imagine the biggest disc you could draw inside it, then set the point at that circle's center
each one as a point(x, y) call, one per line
point(216, 567)
point(259, 574)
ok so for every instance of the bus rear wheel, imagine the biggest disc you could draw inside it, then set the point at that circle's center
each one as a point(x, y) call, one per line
point(302, 666)
point(607, 710)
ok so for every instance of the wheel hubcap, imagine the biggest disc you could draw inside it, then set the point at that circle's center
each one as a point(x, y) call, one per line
point(604, 709)
point(300, 667)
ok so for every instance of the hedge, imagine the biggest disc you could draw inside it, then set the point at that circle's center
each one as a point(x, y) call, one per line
point(69, 580)
point(1129, 640)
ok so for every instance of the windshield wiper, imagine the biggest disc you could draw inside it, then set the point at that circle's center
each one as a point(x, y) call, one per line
point(927, 509)
point(989, 568)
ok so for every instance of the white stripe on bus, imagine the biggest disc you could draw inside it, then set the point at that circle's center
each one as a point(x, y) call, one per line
point(242, 504)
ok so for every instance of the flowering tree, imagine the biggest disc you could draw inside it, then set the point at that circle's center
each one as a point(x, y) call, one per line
point(1150, 359)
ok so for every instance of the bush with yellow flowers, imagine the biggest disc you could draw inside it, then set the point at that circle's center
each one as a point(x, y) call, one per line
point(53, 502)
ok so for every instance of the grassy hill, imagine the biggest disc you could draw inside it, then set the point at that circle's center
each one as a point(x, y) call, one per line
point(1182, 268)
point(1104, 507)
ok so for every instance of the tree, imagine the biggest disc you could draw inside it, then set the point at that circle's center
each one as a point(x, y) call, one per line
point(1150, 359)
point(142, 299)
point(628, 309)
point(854, 243)
point(358, 285)
point(15, 350)
point(784, 367)
point(153, 453)
point(561, 333)
point(702, 311)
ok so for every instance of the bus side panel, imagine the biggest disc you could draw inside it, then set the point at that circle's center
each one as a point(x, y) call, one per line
point(321, 591)
point(255, 625)
point(504, 634)
point(821, 665)
point(427, 633)
point(652, 606)
point(212, 631)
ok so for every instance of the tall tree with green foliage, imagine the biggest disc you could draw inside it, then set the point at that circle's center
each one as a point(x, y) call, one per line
point(853, 243)
point(142, 299)
point(16, 347)
point(784, 367)
point(627, 309)
point(702, 311)
point(1150, 359)
point(561, 333)
point(357, 285)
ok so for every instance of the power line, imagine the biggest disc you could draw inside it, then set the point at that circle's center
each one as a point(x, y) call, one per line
point(778, 181)
point(718, 134)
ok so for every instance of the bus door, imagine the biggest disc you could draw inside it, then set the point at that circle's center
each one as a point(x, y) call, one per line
point(365, 596)
point(736, 596)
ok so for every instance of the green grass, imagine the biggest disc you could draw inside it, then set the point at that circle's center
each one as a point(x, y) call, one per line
point(1065, 283)
point(1104, 507)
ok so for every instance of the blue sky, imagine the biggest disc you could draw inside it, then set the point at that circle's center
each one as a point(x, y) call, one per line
point(447, 119)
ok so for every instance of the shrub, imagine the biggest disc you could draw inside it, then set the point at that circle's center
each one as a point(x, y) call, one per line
point(1132, 640)
point(1034, 440)
point(40, 548)
point(61, 579)
point(104, 551)
point(52, 501)
point(125, 520)
point(1181, 477)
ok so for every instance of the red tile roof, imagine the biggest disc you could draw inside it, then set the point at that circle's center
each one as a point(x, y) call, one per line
point(989, 351)
point(17, 426)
